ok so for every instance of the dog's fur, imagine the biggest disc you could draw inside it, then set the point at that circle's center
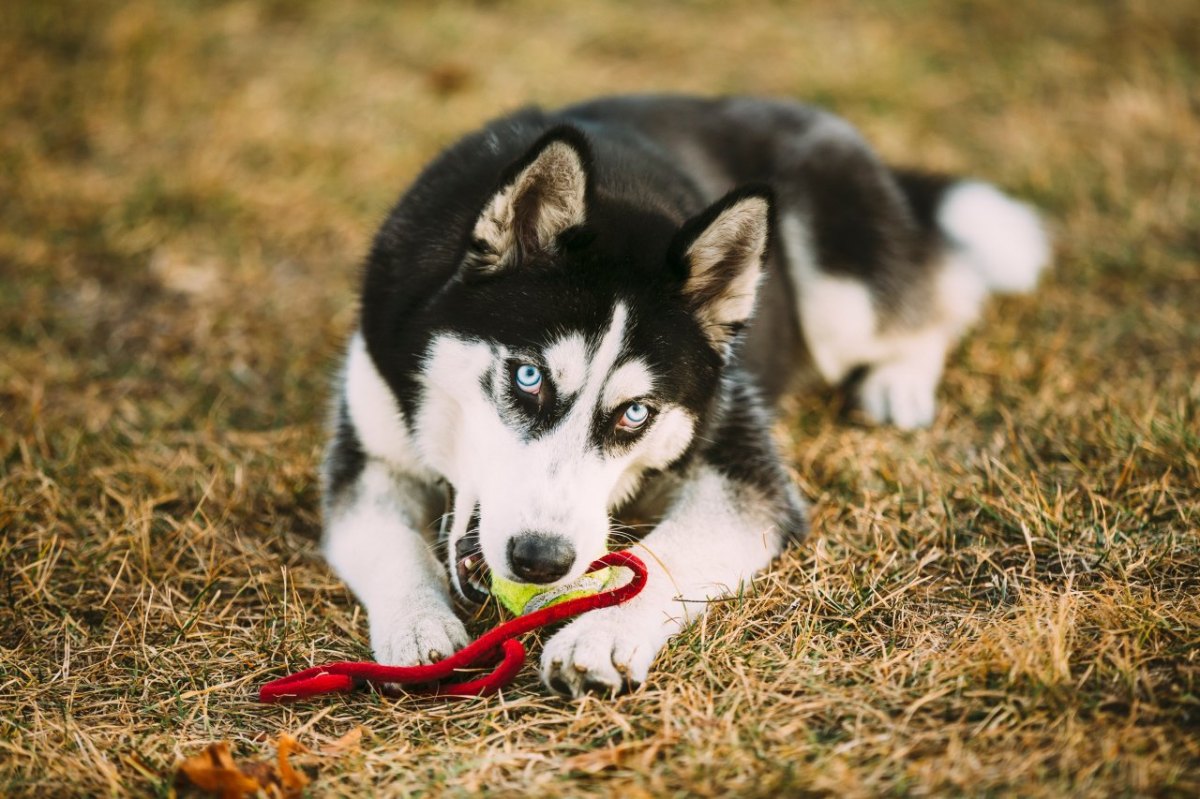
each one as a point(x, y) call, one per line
point(688, 256)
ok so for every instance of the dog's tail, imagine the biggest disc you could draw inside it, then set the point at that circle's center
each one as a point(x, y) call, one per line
point(1000, 238)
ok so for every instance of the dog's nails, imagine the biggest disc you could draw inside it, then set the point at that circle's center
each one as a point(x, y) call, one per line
point(581, 668)
point(434, 655)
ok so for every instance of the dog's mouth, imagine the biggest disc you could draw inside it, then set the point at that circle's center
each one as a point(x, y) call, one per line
point(474, 576)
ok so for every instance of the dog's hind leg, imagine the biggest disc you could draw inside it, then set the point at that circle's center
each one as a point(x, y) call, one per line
point(973, 240)
point(890, 268)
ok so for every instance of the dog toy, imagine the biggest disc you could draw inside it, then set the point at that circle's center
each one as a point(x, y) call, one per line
point(522, 598)
point(498, 648)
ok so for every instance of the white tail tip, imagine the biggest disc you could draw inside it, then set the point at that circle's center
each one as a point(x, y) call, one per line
point(1001, 238)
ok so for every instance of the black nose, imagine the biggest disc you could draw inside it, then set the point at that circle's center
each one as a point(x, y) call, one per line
point(539, 557)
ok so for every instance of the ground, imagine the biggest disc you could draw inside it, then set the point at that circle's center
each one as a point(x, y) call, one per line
point(1005, 604)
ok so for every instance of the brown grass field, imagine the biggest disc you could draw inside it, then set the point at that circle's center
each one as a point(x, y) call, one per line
point(1007, 604)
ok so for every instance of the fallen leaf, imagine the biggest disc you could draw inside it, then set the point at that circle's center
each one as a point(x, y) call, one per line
point(214, 770)
point(293, 781)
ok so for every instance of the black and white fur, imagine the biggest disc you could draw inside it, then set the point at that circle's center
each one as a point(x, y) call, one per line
point(688, 256)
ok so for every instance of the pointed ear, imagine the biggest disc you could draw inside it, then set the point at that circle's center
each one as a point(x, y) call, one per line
point(542, 195)
point(721, 253)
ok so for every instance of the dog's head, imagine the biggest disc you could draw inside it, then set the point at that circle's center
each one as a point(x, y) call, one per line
point(578, 348)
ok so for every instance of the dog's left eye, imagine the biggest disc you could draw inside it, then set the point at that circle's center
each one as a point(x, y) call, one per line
point(634, 417)
point(529, 378)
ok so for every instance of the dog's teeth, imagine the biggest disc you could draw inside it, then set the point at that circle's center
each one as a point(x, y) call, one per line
point(469, 561)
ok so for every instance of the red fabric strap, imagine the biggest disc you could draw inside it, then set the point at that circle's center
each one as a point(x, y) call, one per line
point(499, 641)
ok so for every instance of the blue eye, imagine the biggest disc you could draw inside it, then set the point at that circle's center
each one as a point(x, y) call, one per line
point(634, 417)
point(529, 378)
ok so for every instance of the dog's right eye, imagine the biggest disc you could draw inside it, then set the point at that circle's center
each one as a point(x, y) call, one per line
point(528, 378)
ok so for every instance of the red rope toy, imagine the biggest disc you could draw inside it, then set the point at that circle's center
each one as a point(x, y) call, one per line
point(500, 640)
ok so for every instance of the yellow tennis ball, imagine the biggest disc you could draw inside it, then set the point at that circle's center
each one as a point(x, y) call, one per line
point(522, 598)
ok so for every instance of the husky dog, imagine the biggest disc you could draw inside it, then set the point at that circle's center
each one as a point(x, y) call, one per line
point(580, 317)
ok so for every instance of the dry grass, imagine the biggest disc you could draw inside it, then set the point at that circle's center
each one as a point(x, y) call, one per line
point(1006, 604)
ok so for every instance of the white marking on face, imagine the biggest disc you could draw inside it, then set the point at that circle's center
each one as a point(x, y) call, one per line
point(630, 381)
point(452, 405)
point(557, 481)
point(605, 357)
point(374, 412)
point(668, 438)
point(567, 359)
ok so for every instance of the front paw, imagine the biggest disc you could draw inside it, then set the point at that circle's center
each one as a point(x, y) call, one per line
point(604, 651)
point(417, 633)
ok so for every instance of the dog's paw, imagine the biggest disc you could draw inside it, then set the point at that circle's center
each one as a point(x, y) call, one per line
point(601, 652)
point(422, 633)
point(901, 393)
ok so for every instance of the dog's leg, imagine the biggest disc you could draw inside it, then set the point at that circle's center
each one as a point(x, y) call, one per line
point(376, 504)
point(977, 241)
point(901, 387)
point(734, 513)
point(981, 241)
point(890, 267)
point(372, 543)
point(718, 536)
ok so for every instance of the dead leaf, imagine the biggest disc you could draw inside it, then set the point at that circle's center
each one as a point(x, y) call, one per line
point(293, 781)
point(214, 770)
